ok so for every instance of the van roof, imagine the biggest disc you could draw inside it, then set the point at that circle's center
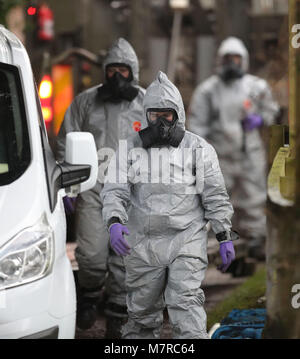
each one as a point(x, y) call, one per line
point(9, 43)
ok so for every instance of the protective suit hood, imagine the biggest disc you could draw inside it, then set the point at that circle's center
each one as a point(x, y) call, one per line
point(122, 52)
point(233, 45)
point(162, 93)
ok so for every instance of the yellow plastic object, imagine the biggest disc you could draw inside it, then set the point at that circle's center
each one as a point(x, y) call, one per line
point(275, 179)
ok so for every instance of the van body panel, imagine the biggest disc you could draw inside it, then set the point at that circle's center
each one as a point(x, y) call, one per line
point(50, 301)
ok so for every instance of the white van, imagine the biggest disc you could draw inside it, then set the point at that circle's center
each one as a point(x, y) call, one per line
point(37, 291)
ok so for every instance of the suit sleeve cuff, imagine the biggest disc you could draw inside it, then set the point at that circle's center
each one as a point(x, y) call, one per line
point(227, 236)
point(112, 221)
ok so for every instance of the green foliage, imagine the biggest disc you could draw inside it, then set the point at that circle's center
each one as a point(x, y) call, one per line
point(243, 297)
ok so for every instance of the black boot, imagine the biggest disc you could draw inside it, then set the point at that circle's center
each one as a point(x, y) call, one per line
point(87, 308)
point(113, 327)
point(116, 317)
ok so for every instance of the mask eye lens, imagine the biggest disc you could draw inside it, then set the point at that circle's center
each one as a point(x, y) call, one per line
point(154, 115)
point(169, 116)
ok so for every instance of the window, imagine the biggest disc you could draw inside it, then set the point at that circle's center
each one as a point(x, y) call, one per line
point(262, 7)
point(14, 139)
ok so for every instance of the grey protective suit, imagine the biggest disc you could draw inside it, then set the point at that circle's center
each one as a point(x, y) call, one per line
point(108, 122)
point(167, 224)
point(216, 112)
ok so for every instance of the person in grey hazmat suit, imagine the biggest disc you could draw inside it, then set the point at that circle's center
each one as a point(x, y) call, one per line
point(228, 110)
point(110, 111)
point(165, 215)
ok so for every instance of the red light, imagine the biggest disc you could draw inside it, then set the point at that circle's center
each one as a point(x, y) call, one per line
point(46, 86)
point(31, 10)
point(46, 93)
point(47, 113)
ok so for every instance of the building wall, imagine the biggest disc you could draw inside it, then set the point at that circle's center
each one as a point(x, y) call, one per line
point(92, 22)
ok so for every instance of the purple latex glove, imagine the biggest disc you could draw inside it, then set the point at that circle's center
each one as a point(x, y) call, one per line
point(117, 240)
point(227, 254)
point(69, 204)
point(252, 121)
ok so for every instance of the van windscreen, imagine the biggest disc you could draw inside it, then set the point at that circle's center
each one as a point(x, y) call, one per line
point(14, 139)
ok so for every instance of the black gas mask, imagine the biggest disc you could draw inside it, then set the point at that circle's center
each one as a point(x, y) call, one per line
point(231, 71)
point(162, 129)
point(118, 87)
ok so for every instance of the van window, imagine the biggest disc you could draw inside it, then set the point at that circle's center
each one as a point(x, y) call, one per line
point(14, 139)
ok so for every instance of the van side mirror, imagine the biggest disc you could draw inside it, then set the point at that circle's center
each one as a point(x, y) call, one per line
point(81, 162)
